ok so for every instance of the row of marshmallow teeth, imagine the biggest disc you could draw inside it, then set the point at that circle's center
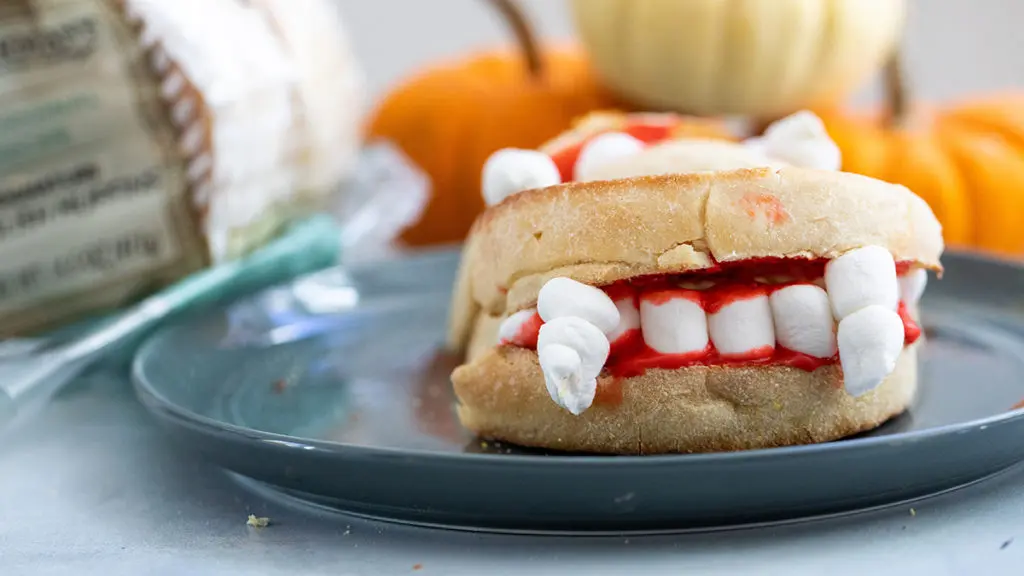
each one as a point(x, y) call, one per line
point(798, 140)
point(862, 293)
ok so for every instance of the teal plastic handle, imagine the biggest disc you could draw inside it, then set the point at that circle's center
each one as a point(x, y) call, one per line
point(306, 247)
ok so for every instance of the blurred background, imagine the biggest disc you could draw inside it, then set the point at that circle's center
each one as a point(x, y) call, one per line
point(953, 47)
point(160, 146)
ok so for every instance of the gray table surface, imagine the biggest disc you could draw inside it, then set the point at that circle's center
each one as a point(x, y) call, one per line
point(93, 487)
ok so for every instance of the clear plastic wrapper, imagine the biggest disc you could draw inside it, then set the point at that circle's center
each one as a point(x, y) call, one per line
point(387, 194)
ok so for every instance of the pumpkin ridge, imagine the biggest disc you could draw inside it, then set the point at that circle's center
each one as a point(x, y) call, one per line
point(990, 166)
point(989, 121)
point(929, 171)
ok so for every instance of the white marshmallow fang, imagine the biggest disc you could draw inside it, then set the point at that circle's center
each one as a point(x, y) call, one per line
point(800, 140)
point(564, 297)
point(870, 342)
point(510, 171)
point(563, 377)
point(860, 278)
point(912, 286)
point(571, 386)
point(604, 149)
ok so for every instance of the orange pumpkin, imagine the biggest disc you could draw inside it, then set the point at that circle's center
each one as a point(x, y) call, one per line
point(450, 118)
point(965, 160)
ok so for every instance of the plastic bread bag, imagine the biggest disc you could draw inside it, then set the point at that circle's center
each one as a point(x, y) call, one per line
point(159, 155)
point(144, 140)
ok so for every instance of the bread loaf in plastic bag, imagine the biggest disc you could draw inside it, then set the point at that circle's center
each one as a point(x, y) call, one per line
point(143, 140)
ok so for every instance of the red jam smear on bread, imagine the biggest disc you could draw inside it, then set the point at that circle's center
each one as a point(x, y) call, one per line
point(643, 130)
point(529, 331)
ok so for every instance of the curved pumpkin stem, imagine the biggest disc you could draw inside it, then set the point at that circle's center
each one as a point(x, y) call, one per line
point(897, 98)
point(516, 19)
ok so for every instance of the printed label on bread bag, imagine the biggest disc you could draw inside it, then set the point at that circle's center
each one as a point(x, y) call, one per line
point(93, 204)
point(80, 220)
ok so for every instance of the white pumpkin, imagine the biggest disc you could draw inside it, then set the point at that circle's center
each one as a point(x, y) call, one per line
point(761, 58)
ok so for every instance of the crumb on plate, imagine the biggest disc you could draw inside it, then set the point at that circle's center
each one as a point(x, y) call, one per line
point(255, 522)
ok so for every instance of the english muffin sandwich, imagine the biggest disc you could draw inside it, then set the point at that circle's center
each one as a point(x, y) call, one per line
point(637, 297)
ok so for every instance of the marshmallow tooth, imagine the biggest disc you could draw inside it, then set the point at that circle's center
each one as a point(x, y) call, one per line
point(511, 329)
point(564, 297)
point(629, 318)
point(564, 379)
point(912, 286)
point(870, 342)
point(803, 320)
point(743, 328)
point(582, 336)
point(603, 149)
point(800, 140)
point(673, 322)
point(572, 385)
point(511, 170)
point(860, 278)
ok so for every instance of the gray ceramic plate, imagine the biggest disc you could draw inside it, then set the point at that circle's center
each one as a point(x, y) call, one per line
point(351, 409)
